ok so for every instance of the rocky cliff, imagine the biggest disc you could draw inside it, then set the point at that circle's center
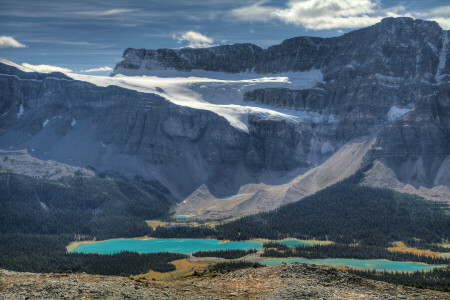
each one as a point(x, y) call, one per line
point(255, 126)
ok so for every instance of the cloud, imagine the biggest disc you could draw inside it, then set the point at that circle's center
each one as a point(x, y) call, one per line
point(10, 42)
point(443, 22)
point(321, 14)
point(328, 14)
point(46, 68)
point(102, 13)
point(440, 11)
point(254, 13)
point(195, 39)
point(101, 69)
point(439, 14)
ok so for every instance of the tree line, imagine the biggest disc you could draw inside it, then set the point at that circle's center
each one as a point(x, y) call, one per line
point(227, 254)
point(437, 279)
point(348, 251)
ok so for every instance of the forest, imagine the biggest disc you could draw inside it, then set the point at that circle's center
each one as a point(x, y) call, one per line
point(39, 218)
point(227, 254)
point(47, 254)
point(91, 206)
point(344, 213)
point(347, 251)
point(437, 279)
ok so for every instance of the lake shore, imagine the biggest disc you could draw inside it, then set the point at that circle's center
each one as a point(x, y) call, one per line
point(74, 245)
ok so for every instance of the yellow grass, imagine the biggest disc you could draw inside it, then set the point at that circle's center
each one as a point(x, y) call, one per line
point(156, 223)
point(401, 247)
point(184, 268)
point(211, 224)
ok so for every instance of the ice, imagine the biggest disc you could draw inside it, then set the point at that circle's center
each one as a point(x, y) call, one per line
point(221, 93)
point(47, 120)
point(396, 112)
point(21, 111)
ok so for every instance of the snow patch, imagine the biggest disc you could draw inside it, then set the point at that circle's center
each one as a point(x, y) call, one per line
point(221, 93)
point(47, 120)
point(396, 112)
point(21, 111)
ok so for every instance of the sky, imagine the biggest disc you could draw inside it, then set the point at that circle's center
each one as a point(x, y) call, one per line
point(90, 36)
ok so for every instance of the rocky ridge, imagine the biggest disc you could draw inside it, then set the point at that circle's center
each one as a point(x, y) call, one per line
point(289, 281)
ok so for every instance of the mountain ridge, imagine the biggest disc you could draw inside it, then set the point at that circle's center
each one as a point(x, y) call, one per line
point(242, 142)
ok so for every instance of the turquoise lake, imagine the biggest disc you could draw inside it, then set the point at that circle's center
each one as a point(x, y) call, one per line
point(372, 264)
point(187, 246)
point(164, 245)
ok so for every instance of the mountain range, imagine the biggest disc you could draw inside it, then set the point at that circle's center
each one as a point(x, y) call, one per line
point(237, 129)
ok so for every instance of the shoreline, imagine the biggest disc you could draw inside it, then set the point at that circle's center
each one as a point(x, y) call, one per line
point(74, 245)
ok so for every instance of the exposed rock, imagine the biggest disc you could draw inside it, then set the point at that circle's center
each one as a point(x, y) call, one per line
point(287, 281)
point(388, 81)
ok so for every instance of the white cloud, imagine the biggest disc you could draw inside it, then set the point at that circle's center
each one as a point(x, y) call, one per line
point(439, 14)
point(195, 39)
point(328, 14)
point(101, 69)
point(334, 14)
point(46, 68)
point(102, 13)
point(440, 11)
point(443, 22)
point(254, 13)
point(10, 42)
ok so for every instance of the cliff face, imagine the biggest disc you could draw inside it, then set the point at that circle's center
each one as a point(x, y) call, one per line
point(372, 77)
point(256, 121)
point(112, 128)
point(394, 47)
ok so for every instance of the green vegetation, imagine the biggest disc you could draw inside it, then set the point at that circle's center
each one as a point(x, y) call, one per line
point(277, 246)
point(227, 254)
point(436, 279)
point(98, 207)
point(344, 213)
point(40, 217)
point(347, 251)
point(47, 253)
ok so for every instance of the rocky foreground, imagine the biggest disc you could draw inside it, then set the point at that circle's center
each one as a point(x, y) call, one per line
point(293, 281)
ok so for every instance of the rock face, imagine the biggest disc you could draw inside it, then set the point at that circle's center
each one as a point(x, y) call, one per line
point(389, 81)
point(291, 281)
point(372, 77)
point(394, 47)
point(54, 116)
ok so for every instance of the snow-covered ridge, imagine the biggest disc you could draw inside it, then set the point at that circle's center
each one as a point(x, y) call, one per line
point(221, 93)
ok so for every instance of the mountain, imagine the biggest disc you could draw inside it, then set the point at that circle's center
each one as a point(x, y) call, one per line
point(236, 129)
